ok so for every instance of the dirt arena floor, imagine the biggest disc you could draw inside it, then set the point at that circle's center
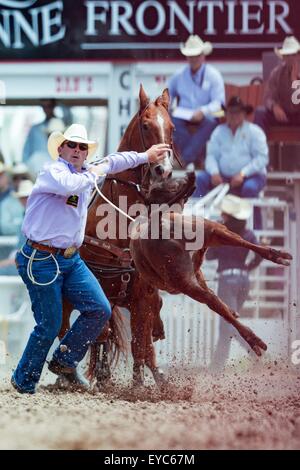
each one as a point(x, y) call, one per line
point(253, 410)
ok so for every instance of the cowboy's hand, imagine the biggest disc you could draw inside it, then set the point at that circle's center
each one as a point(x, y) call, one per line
point(216, 179)
point(97, 170)
point(157, 152)
point(279, 113)
point(197, 117)
point(237, 180)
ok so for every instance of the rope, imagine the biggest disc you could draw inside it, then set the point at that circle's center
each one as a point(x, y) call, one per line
point(113, 205)
point(29, 267)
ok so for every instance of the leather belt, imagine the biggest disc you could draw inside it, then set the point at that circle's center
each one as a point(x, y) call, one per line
point(65, 252)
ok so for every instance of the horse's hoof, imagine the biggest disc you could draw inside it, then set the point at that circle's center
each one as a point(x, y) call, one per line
point(159, 377)
point(138, 377)
point(254, 342)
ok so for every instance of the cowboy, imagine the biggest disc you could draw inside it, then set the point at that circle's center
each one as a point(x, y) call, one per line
point(8, 266)
point(234, 284)
point(49, 263)
point(280, 107)
point(200, 92)
point(237, 153)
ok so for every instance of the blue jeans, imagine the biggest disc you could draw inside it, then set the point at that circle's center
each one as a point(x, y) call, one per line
point(81, 288)
point(250, 188)
point(191, 145)
point(233, 290)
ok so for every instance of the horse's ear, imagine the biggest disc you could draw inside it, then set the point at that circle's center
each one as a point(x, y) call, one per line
point(144, 100)
point(165, 98)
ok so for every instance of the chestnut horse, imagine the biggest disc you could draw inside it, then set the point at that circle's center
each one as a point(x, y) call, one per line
point(110, 259)
point(165, 262)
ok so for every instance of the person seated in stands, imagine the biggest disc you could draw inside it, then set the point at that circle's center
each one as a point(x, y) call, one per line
point(37, 138)
point(238, 154)
point(200, 93)
point(19, 172)
point(8, 266)
point(233, 270)
point(40, 156)
point(11, 211)
point(280, 106)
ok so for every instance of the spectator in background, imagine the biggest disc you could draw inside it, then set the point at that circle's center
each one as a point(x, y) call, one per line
point(237, 153)
point(279, 106)
point(200, 93)
point(19, 172)
point(8, 266)
point(234, 285)
point(37, 138)
point(11, 211)
point(38, 159)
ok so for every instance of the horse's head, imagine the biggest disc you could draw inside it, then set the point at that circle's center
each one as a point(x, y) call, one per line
point(155, 127)
point(171, 191)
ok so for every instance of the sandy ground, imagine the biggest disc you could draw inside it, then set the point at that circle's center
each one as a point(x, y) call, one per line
point(257, 410)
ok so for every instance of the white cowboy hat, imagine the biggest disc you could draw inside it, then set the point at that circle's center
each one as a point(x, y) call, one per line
point(290, 46)
point(195, 46)
point(19, 169)
point(24, 189)
point(74, 133)
point(236, 207)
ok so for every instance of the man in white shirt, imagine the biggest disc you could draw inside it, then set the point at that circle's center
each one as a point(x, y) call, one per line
point(200, 92)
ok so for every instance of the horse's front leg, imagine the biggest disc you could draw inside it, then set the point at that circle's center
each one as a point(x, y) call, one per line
point(222, 236)
point(158, 333)
point(198, 290)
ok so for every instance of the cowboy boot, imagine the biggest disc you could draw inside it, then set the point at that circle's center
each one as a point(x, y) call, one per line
point(68, 377)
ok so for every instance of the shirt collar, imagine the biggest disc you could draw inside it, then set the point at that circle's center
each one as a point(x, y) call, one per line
point(70, 166)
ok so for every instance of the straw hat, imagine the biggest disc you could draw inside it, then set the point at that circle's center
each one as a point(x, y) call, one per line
point(236, 207)
point(290, 46)
point(195, 46)
point(74, 133)
point(24, 189)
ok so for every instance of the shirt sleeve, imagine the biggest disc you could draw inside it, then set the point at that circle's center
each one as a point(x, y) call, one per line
point(121, 161)
point(213, 153)
point(259, 152)
point(217, 93)
point(58, 179)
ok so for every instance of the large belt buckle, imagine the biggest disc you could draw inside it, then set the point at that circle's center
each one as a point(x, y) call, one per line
point(69, 252)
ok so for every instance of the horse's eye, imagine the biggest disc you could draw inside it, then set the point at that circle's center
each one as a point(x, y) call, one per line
point(145, 126)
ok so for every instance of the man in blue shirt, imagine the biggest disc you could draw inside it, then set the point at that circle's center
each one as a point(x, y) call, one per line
point(237, 153)
point(200, 92)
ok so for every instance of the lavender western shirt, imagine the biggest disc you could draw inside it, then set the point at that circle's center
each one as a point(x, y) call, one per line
point(50, 217)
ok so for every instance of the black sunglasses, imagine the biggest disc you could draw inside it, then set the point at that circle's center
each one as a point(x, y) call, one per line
point(73, 145)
